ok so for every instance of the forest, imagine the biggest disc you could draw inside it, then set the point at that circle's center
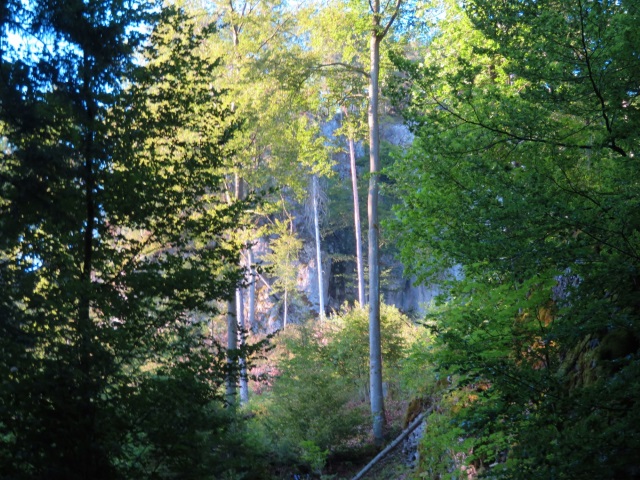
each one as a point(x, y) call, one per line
point(258, 239)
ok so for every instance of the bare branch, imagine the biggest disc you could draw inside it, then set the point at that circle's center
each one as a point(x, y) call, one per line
point(596, 90)
point(346, 66)
point(522, 138)
point(396, 10)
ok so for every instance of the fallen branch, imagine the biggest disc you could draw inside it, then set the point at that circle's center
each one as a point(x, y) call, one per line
point(405, 433)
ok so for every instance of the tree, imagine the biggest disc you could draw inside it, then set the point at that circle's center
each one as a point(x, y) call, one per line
point(235, 307)
point(380, 26)
point(339, 49)
point(283, 260)
point(249, 34)
point(346, 59)
point(262, 45)
point(51, 109)
point(313, 158)
point(525, 117)
point(362, 300)
point(315, 200)
point(114, 238)
point(311, 402)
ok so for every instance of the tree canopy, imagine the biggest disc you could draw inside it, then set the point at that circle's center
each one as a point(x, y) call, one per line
point(523, 173)
point(114, 243)
point(158, 164)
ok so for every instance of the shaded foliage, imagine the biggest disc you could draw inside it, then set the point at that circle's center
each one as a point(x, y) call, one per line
point(523, 173)
point(317, 406)
point(114, 238)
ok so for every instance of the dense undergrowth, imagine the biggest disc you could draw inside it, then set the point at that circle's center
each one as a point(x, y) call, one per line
point(312, 418)
point(314, 415)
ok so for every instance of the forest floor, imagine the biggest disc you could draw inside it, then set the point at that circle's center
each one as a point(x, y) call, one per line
point(393, 466)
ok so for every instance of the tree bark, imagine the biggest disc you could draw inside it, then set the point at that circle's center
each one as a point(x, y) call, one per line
point(356, 220)
point(244, 386)
point(316, 224)
point(375, 350)
point(251, 314)
point(232, 346)
point(233, 306)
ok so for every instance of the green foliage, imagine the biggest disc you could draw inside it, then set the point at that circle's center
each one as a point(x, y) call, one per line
point(265, 79)
point(348, 348)
point(522, 173)
point(310, 401)
point(179, 428)
point(417, 378)
point(313, 456)
point(318, 401)
point(444, 449)
point(114, 238)
point(283, 258)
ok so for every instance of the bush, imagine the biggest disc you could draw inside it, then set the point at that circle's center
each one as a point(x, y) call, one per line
point(318, 403)
point(310, 401)
point(348, 345)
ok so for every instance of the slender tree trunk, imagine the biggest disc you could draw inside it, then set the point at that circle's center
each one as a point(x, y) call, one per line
point(233, 306)
point(88, 456)
point(375, 350)
point(232, 346)
point(356, 220)
point(251, 314)
point(246, 324)
point(84, 321)
point(316, 224)
point(286, 310)
point(244, 386)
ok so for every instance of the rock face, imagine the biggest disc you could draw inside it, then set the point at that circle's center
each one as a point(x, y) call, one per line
point(338, 254)
point(410, 453)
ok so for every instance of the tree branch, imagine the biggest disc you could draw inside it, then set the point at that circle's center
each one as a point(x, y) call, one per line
point(522, 138)
point(596, 90)
point(396, 10)
point(346, 66)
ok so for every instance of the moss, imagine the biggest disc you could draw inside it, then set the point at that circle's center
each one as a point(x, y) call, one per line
point(415, 407)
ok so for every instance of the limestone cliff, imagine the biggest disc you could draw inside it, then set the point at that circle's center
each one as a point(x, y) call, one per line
point(338, 250)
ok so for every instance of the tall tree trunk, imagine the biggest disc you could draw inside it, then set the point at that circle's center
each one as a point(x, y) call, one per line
point(88, 455)
point(316, 224)
point(244, 385)
point(234, 304)
point(375, 350)
point(356, 220)
point(251, 314)
point(232, 346)
point(286, 310)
